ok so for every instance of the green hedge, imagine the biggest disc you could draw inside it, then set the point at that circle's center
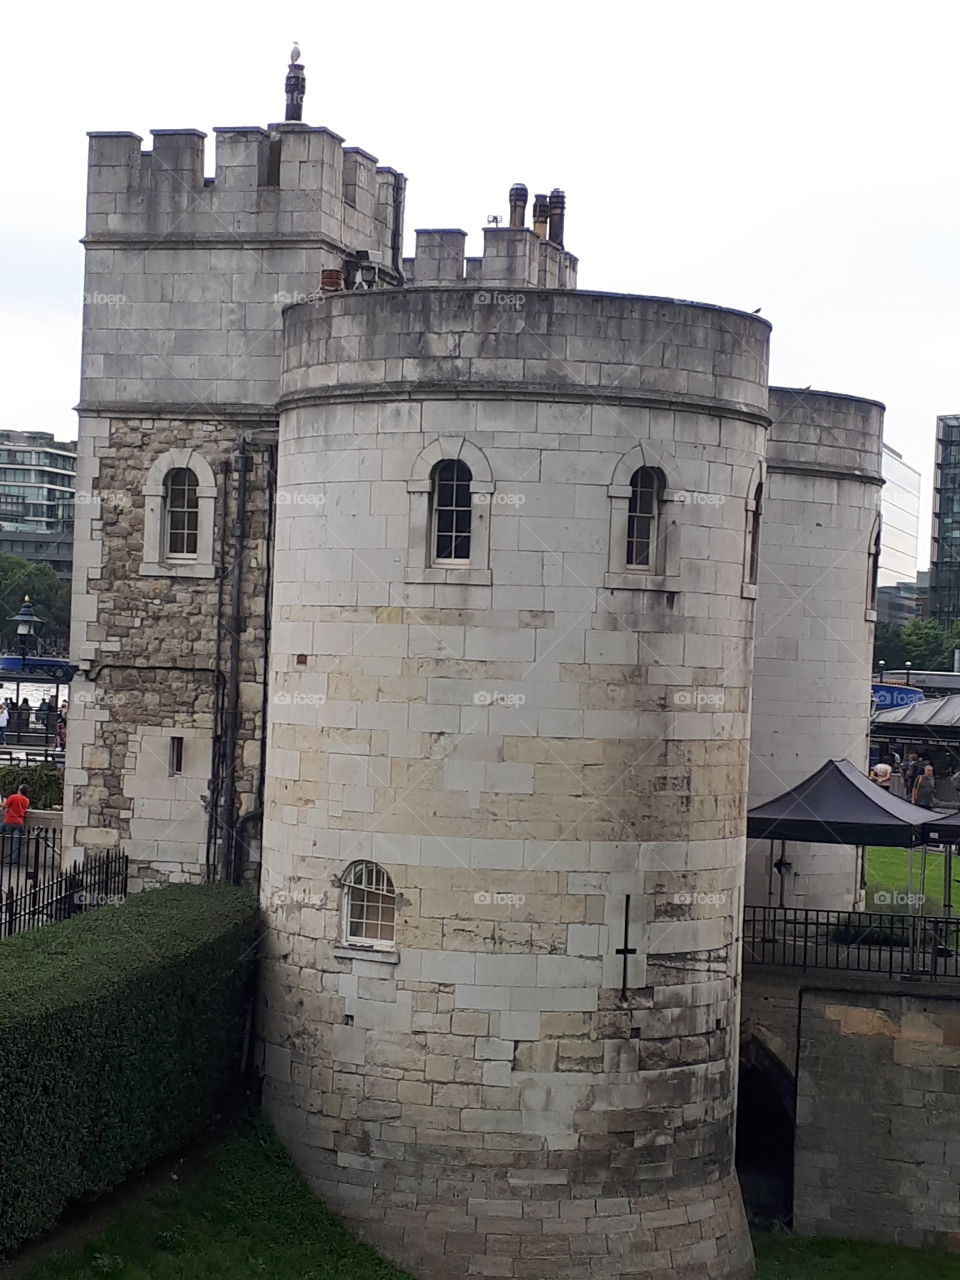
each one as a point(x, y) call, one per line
point(120, 1035)
point(44, 782)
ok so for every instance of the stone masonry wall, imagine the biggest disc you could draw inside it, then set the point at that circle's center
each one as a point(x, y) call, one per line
point(147, 645)
point(520, 748)
point(878, 1118)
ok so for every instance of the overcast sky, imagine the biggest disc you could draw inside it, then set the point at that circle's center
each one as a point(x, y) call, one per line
point(798, 158)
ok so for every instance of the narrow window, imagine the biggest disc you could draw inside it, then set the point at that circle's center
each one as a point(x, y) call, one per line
point(642, 518)
point(873, 569)
point(181, 510)
point(176, 756)
point(450, 494)
point(369, 906)
point(754, 565)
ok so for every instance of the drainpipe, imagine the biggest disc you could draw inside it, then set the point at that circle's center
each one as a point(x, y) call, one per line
point(396, 239)
point(216, 756)
point(229, 861)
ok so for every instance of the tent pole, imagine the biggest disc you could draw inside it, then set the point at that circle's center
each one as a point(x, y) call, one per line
point(770, 876)
point(948, 880)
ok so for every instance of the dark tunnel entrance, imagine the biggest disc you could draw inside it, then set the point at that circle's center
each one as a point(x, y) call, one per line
point(765, 1137)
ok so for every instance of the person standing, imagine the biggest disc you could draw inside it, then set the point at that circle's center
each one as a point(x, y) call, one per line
point(911, 771)
point(4, 721)
point(924, 788)
point(15, 808)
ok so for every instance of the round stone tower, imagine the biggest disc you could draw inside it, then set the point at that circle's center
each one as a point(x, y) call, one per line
point(819, 543)
point(503, 840)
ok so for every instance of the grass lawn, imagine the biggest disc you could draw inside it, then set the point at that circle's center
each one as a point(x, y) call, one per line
point(242, 1213)
point(887, 873)
point(790, 1258)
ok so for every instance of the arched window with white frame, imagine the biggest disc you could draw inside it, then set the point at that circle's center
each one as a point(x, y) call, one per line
point(450, 488)
point(451, 510)
point(181, 514)
point(369, 907)
point(644, 548)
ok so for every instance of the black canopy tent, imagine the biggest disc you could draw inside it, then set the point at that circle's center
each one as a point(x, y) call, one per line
point(840, 805)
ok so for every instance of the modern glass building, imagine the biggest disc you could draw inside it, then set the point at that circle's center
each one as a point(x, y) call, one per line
point(945, 552)
point(899, 520)
point(36, 497)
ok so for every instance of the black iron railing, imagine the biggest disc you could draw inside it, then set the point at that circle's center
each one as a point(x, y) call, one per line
point(100, 880)
point(907, 946)
point(28, 857)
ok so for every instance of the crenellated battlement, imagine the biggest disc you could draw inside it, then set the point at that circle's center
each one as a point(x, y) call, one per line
point(513, 258)
point(289, 181)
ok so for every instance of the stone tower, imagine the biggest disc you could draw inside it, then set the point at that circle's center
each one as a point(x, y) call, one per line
point(186, 278)
point(819, 543)
point(503, 834)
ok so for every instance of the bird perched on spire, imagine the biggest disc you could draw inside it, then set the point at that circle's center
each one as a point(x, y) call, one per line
point(295, 53)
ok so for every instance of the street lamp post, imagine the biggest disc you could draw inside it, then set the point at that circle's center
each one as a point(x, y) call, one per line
point(28, 624)
point(908, 665)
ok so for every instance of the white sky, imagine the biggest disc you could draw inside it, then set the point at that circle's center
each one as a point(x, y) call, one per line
point(797, 158)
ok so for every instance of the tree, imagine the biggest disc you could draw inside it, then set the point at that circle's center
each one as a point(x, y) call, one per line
point(49, 595)
point(888, 647)
point(925, 645)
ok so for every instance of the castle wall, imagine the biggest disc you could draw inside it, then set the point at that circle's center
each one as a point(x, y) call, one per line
point(185, 283)
point(520, 744)
point(814, 624)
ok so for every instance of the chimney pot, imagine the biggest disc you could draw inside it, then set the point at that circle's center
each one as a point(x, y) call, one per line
point(518, 205)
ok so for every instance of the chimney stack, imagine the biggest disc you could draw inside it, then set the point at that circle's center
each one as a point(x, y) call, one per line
point(541, 215)
point(558, 203)
point(296, 86)
point(518, 205)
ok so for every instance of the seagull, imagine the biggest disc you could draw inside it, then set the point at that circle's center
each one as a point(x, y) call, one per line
point(295, 52)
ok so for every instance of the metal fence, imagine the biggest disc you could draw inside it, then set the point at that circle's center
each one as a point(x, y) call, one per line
point(28, 857)
point(907, 946)
point(99, 880)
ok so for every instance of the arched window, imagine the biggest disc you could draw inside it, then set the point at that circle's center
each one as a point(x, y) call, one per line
point(181, 514)
point(643, 512)
point(753, 565)
point(451, 512)
point(369, 906)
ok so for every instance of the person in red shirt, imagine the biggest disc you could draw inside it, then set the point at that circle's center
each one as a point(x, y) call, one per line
point(15, 807)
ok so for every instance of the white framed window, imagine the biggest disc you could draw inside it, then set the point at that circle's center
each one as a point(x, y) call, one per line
point(644, 540)
point(179, 511)
point(450, 488)
point(181, 514)
point(451, 511)
point(369, 907)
